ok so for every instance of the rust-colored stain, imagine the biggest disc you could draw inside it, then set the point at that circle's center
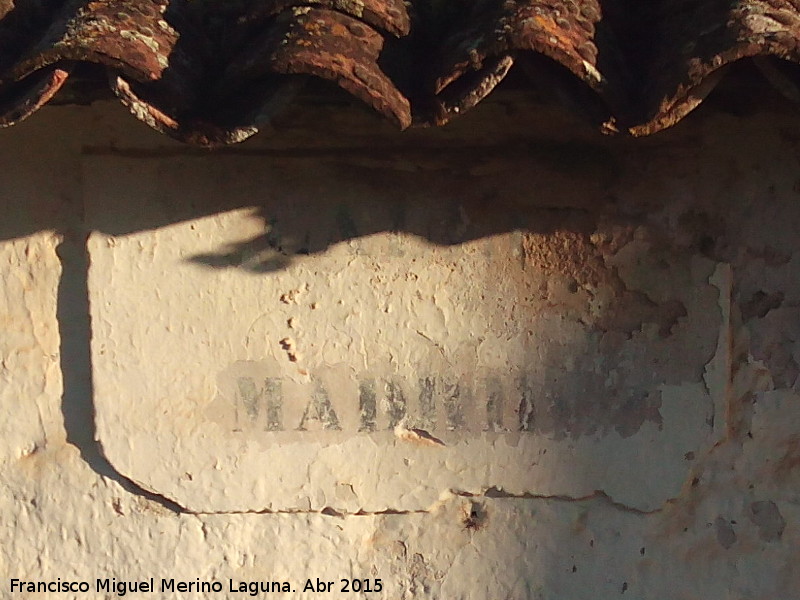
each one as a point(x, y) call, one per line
point(210, 72)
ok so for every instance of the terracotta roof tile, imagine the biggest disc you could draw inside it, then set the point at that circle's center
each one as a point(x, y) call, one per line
point(477, 57)
point(697, 40)
point(210, 72)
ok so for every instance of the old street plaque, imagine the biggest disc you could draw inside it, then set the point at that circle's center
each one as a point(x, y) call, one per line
point(331, 355)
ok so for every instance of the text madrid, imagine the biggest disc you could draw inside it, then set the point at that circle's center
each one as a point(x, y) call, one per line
point(120, 588)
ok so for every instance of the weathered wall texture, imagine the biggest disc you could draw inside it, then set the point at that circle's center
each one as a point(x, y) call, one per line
point(503, 360)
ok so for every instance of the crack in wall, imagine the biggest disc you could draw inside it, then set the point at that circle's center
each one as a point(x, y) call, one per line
point(492, 493)
point(597, 495)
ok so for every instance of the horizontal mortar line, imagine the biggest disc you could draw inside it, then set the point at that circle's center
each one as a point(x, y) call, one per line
point(375, 152)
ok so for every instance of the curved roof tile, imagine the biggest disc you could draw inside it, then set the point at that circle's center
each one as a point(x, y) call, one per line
point(697, 40)
point(210, 72)
point(476, 58)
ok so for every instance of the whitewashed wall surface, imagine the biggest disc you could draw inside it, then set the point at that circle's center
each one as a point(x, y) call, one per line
point(508, 359)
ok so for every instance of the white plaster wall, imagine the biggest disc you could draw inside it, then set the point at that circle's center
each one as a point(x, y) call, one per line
point(659, 276)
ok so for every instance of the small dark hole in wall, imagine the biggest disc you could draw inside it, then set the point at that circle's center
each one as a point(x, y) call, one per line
point(475, 516)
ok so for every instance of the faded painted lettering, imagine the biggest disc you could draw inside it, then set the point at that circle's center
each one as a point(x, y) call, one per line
point(430, 403)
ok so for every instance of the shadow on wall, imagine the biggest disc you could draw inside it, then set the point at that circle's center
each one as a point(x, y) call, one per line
point(313, 199)
point(308, 201)
point(75, 332)
point(556, 195)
